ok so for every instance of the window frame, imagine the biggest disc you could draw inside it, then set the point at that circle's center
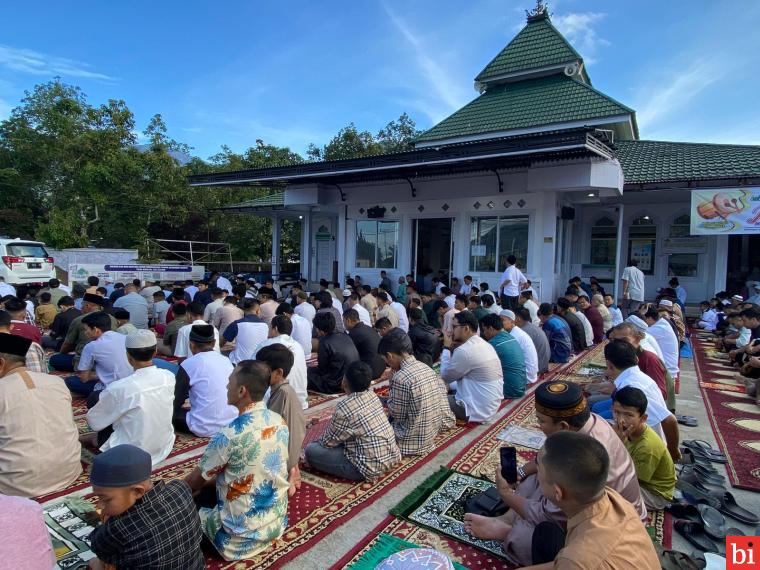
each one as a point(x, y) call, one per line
point(497, 246)
point(377, 222)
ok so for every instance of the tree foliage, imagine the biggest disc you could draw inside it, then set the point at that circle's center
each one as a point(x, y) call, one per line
point(72, 175)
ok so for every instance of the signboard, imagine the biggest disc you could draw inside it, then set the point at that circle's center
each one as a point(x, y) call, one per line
point(684, 245)
point(478, 250)
point(641, 251)
point(726, 211)
point(124, 273)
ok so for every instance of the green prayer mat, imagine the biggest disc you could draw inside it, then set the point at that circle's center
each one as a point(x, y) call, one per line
point(384, 546)
point(70, 523)
point(439, 505)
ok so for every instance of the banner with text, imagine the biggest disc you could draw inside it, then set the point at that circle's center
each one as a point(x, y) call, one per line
point(125, 273)
point(726, 211)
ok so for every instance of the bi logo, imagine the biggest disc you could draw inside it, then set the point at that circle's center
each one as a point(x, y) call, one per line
point(742, 553)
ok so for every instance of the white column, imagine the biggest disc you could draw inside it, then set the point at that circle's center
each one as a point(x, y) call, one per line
point(618, 252)
point(275, 246)
point(341, 250)
point(306, 260)
point(546, 218)
point(721, 265)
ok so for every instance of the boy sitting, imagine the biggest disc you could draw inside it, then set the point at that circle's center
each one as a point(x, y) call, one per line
point(45, 312)
point(146, 525)
point(359, 443)
point(654, 465)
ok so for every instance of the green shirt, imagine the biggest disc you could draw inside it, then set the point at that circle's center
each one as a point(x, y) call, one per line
point(654, 466)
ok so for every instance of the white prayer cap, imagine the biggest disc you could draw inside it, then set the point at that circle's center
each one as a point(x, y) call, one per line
point(637, 322)
point(346, 292)
point(666, 303)
point(141, 339)
point(507, 313)
point(738, 298)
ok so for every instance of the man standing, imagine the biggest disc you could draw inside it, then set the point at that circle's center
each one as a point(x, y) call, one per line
point(136, 304)
point(137, 409)
point(633, 287)
point(417, 404)
point(39, 447)
point(252, 493)
point(511, 281)
point(472, 363)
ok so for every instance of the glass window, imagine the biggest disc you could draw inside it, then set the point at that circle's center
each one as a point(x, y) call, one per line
point(376, 244)
point(642, 239)
point(603, 242)
point(26, 250)
point(495, 238)
point(681, 227)
point(683, 264)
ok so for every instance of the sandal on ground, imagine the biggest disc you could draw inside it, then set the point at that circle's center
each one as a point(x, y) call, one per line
point(683, 510)
point(729, 506)
point(710, 480)
point(697, 491)
point(695, 534)
point(675, 560)
point(688, 457)
point(703, 449)
point(688, 421)
point(713, 522)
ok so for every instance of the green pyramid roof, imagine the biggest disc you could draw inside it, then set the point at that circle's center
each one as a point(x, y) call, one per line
point(538, 45)
point(549, 100)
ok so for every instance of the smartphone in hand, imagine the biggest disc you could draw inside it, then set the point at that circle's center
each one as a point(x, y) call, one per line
point(509, 464)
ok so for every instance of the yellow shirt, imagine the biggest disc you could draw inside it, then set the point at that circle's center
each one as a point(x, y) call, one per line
point(44, 315)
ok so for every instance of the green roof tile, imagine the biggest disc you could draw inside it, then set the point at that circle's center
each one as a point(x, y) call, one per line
point(648, 162)
point(277, 199)
point(538, 44)
point(531, 103)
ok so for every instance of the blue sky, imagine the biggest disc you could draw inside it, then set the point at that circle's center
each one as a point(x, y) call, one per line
point(295, 72)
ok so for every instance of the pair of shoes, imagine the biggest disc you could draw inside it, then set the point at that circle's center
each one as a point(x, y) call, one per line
point(707, 477)
point(688, 421)
point(676, 560)
point(703, 450)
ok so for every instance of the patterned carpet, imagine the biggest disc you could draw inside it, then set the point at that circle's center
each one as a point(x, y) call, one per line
point(734, 417)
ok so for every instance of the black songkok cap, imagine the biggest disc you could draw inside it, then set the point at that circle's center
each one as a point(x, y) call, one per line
point(202, 334)
point(120, 466)
point(269, 291)
point(14, 344)
point(560, 399)
point(121, 314)
point(94, 299)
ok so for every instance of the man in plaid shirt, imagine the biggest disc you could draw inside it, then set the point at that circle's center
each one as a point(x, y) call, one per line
point(417, 401)
point(359, 442)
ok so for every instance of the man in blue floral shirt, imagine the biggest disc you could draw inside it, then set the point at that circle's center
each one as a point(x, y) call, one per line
point(247, 462)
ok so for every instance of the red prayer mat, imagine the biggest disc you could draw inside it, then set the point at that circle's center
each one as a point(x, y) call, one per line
point(734, 417)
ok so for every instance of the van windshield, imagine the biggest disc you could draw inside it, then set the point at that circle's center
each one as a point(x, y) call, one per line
point(26, 250)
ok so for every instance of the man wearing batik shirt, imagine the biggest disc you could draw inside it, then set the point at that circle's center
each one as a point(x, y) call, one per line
point(417, 402)
point(359, 443)
point(248, 460)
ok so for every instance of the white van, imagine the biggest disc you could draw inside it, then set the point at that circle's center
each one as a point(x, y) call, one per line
point(25, 262)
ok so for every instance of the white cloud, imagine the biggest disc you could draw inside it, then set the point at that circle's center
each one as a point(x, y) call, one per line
point(578, 28)
point(668, 96)
point(441, 94)
point(31, 62)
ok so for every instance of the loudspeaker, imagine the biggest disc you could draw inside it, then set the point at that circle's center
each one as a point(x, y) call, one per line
point(568, 213)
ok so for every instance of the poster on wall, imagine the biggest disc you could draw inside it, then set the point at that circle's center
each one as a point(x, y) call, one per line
point(642, 251)
point(725, 211)
point(124, 273)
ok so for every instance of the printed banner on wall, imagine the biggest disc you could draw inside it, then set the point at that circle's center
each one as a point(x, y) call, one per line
point(125, 273)
point(726, 211)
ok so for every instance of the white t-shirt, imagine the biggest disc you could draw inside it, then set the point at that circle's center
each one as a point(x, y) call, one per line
point(211, 308)
point(668, 341)
point(137, 307)
point(306, 310)
point(302, 333)
point(635, 279)
point(403, 321)
point(297, 376)
point(140, 408)
point(587, 329)
point(108, 355)
point(657, 410)
point(476, 369)
point(450, 300)
point(182, 350)
point(363, 314)
point(338, 305)
point(224, 284)
point(249, 335)
point(529, 352)
point(709, 320)
point(533, 310)
point(616, 314)
point(650, 343)
point(516, 278)
point(209, 373)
